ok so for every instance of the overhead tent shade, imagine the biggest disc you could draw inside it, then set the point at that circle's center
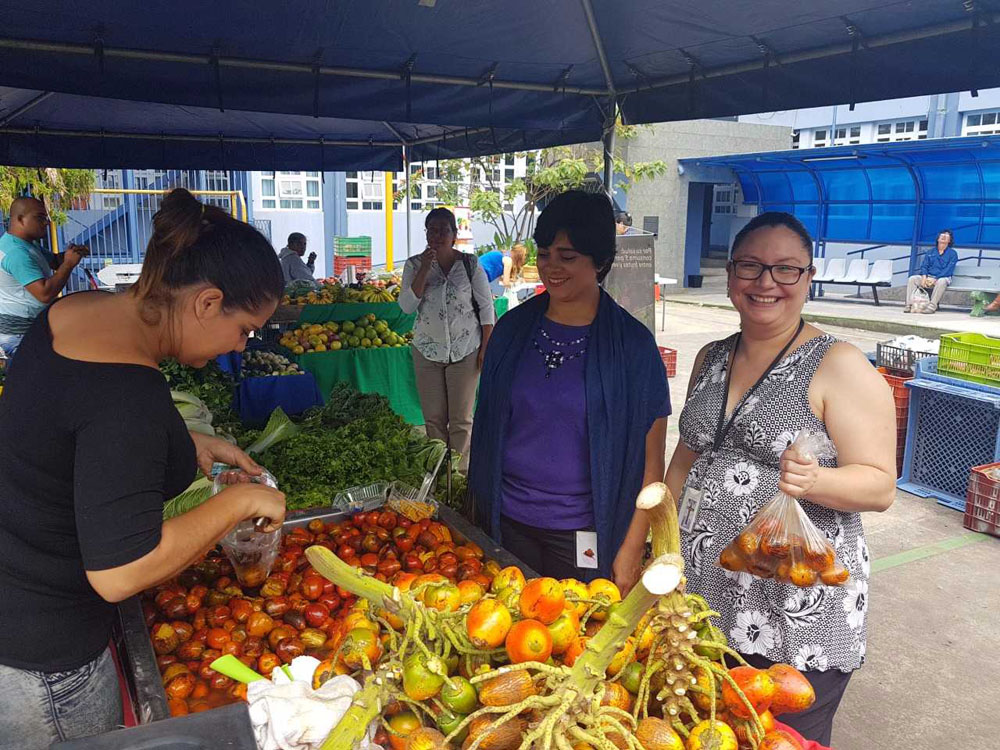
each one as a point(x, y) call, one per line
point(301, 85)
point(899, 193)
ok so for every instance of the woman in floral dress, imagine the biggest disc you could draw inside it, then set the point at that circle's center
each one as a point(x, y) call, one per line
point(776, 377)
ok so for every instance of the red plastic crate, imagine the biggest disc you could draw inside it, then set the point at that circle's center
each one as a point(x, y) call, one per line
point(340, 263)
point(669, 357)
point(901, 396)
point(982, 501)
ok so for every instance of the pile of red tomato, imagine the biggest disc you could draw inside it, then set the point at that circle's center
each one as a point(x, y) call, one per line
point(204, 613)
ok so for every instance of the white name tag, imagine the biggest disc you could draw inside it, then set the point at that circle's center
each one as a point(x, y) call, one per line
point(586, 549)
point(690, 504)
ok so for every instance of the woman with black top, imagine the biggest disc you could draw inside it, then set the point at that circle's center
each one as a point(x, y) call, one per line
point(92, 446)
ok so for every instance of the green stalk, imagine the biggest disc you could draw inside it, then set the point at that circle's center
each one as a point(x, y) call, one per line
point(661, 577)
point(359, 583)
point(655, 499)
point(351, 729)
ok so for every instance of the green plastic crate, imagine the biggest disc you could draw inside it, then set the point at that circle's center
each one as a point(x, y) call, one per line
point(970, 356)
point(352, 247)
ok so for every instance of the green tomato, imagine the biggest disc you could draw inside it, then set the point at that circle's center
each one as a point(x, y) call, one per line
point(632, 676)
point(710, 634)
point(461, 698)
point(448, 722)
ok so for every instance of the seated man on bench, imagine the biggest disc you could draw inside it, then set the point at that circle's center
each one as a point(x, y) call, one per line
point(935, 272)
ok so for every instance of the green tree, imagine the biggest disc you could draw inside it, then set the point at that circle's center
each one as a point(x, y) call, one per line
point(476, 183)
point(57, 188)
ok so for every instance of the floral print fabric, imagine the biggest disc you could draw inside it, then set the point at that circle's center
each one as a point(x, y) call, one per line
point(816, 629)
point(446, 329)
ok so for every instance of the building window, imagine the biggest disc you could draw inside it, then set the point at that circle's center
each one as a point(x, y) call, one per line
point(982, 123)
point(847, 136)
point(724, 199)
point(819, 138)
point(901, 130)
point(290, 191)
point(109, 179)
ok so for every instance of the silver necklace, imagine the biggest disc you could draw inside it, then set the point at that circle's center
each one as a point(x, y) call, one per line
point(556, 358)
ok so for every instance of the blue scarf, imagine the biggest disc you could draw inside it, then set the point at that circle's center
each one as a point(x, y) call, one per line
point(626, 387)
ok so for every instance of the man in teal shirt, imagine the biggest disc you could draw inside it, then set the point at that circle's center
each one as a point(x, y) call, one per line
point(30, 278)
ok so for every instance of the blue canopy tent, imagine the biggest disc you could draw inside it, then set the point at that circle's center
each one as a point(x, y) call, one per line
point(337, 84)
point(885, 194)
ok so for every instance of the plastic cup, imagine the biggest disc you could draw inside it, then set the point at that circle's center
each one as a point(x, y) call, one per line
point(251, 552)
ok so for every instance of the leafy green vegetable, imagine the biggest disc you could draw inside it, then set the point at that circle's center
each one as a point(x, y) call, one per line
point(279, 427)
point(209, 384)
point(198, 492)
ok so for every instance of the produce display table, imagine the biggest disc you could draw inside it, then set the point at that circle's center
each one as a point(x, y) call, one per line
point(390, 312)
point(385, 371)
point(145, 686)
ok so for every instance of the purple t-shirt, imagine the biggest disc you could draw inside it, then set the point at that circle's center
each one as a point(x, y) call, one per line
point(546, 479)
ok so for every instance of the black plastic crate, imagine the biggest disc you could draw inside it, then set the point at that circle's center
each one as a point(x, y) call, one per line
point(898, 359)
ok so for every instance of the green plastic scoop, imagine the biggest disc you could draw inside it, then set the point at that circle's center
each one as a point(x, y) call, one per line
point(233, 668)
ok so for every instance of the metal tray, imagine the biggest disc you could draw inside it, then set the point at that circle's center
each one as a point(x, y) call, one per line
point(138, 660)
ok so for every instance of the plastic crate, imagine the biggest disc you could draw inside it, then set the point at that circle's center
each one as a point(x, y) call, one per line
point(950, 430)
point(927, 369)
point(901, 396)
point(669, 357)
point(982, 501)
point(896, 359)
point(352, 247)
point(970, 356)
point(340, 263)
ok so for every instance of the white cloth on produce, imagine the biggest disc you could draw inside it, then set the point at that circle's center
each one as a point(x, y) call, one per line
point(289, 715)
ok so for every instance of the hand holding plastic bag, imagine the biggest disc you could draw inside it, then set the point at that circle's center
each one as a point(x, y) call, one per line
point(781, 542)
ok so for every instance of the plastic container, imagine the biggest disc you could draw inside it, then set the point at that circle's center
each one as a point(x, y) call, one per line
point(360, 498)
point(950, 429)
point(669, 357)
point(403, 499)
point(251, 552)
point(971, 356)
point(897, 359)
point(927, 369)
point(352, 247)
point(982, 500)
point(901, 396)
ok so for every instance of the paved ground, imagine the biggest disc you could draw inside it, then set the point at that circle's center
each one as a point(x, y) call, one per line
point(932, 680)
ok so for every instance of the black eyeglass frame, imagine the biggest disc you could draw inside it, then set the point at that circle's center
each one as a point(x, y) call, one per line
point(770, 269)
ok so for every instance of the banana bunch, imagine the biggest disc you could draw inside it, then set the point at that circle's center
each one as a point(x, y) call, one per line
point(376, 294)
point(193, 411)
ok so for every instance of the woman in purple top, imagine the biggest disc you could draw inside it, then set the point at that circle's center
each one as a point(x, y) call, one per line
point(572, 412)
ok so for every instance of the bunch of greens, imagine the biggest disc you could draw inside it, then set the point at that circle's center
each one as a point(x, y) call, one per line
point(210, 384)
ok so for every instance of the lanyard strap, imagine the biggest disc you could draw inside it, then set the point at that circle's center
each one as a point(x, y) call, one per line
point(720, 430)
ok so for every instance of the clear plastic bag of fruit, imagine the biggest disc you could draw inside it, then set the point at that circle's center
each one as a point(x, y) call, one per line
point(782, 543)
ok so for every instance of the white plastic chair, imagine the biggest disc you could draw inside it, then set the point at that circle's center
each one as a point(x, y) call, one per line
point(857, 272)
point(835, 268)
point(881, 273)
point(819, 264)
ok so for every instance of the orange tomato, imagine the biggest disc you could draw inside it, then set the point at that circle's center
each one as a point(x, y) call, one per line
point(574, 650)
point(602, 588)
point(401, 726)
point(509, 577)
point(358, 619)
point(528, 640)
point(488, 623)
point(542, 599)
point(443, 597)
point(470, 591)
point(564, 630)
point(403, 580)
point(574, 589)
point(756, 684)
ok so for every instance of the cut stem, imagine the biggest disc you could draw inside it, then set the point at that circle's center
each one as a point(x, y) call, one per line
point(351, 729)
point(655, 499)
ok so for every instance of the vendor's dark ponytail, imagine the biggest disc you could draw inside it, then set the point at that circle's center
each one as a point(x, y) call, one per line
point(194, 243)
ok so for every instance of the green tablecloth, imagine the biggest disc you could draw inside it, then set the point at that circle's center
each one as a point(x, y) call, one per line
point(390, 312)
point(385, 371)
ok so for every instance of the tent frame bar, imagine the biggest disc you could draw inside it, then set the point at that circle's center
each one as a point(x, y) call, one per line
point(26, 107)
point(283, 67)
point(310, 69)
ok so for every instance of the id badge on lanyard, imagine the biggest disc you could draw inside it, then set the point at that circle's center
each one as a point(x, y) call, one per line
point(691, 499)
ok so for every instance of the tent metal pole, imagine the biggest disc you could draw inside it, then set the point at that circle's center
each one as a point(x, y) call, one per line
point(190, 138)
point(588, 11)
point(406, 167)
point(609, 159)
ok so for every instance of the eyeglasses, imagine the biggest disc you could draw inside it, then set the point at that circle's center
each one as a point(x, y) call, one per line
point(749, 270)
